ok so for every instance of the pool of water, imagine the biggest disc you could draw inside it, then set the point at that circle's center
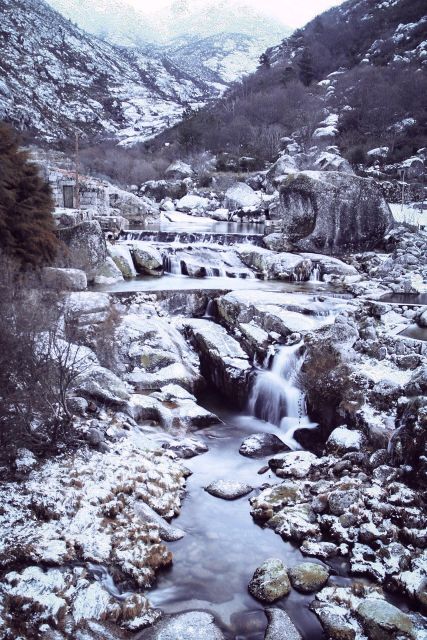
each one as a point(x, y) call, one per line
point(172, 282)
point(223, 546)
point(415, 332)
point(406, 298)
point(193, 224)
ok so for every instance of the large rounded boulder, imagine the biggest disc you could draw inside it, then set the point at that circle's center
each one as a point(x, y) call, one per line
point(333, 213)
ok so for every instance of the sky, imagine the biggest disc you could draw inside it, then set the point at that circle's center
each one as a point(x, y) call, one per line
point(294, 13)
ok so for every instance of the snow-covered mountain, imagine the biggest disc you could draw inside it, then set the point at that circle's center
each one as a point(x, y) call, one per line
point(215, 40)
point(120, 22)
point(56, 79)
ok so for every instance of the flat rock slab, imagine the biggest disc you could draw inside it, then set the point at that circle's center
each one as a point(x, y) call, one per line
point(228, 490)
point(167, 532)
point(280, 626)
point(259, 445)
point(192, 625)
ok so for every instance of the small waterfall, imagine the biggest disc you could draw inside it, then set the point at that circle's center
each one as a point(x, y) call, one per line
point(172, 264)
point(315, 275)
point(101, 574)
point(276, 397)
point(210, 311)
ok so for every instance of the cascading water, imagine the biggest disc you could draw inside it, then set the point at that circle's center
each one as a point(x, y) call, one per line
point(315, 275)
point(276, 397)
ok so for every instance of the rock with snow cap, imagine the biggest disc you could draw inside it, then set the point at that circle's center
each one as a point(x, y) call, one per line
point(228, 489)
point(191, 625)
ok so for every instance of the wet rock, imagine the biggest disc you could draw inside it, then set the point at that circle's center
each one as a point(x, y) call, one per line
point(272, 499)
point(121, 255)
point(297, 522)
point(223, 361)
point(330, 265)
point(270, 581)
point(308, 577)
point(281, 313)
point(147, 259)
point(280, 626)
point(228, 490)
point(383, 621)
point(259, 445)
point(167, 532)
point(335, 621)
point(191, 625)
point(333, 213)
point(275, 266)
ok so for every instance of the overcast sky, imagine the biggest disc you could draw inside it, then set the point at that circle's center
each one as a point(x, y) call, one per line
point(294, 13)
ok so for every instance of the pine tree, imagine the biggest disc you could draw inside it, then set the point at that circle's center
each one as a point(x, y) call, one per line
point(305, 65)
point(264, 61)
point(26, 223)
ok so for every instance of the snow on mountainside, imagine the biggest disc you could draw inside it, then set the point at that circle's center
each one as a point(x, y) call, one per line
point(55, 79)
point(363, 31)
point(215, 41)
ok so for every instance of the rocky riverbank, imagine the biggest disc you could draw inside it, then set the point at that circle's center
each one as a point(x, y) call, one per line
point(330, 386)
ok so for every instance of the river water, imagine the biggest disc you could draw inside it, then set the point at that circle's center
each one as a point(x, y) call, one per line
point(223, 545)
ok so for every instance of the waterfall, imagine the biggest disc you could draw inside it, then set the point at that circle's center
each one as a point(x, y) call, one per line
point(172, 264)
point(210, 311)
point(315, 275)
point(276, 397)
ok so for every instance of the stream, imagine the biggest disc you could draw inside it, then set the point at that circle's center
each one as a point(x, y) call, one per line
point(215, 560)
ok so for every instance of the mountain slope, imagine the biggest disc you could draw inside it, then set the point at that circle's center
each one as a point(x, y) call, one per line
point(355, 77)
point(56, 79)
point(216, 41)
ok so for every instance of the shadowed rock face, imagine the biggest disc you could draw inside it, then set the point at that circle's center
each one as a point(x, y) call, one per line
point(333, 213)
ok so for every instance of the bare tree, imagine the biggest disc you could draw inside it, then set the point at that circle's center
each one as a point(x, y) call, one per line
point(37, 365)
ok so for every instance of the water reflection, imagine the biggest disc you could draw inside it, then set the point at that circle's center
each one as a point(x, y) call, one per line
point(214, 562)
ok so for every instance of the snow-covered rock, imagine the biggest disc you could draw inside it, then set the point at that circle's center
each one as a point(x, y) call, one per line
point(332, 212)
point(240, 196)
point(179, 169)
point(64, 279)
point(147, 259)
point(122, 257)
point(192, 203)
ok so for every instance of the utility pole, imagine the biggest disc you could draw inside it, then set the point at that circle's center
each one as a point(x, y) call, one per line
point(77, 172)
point(402, 174)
